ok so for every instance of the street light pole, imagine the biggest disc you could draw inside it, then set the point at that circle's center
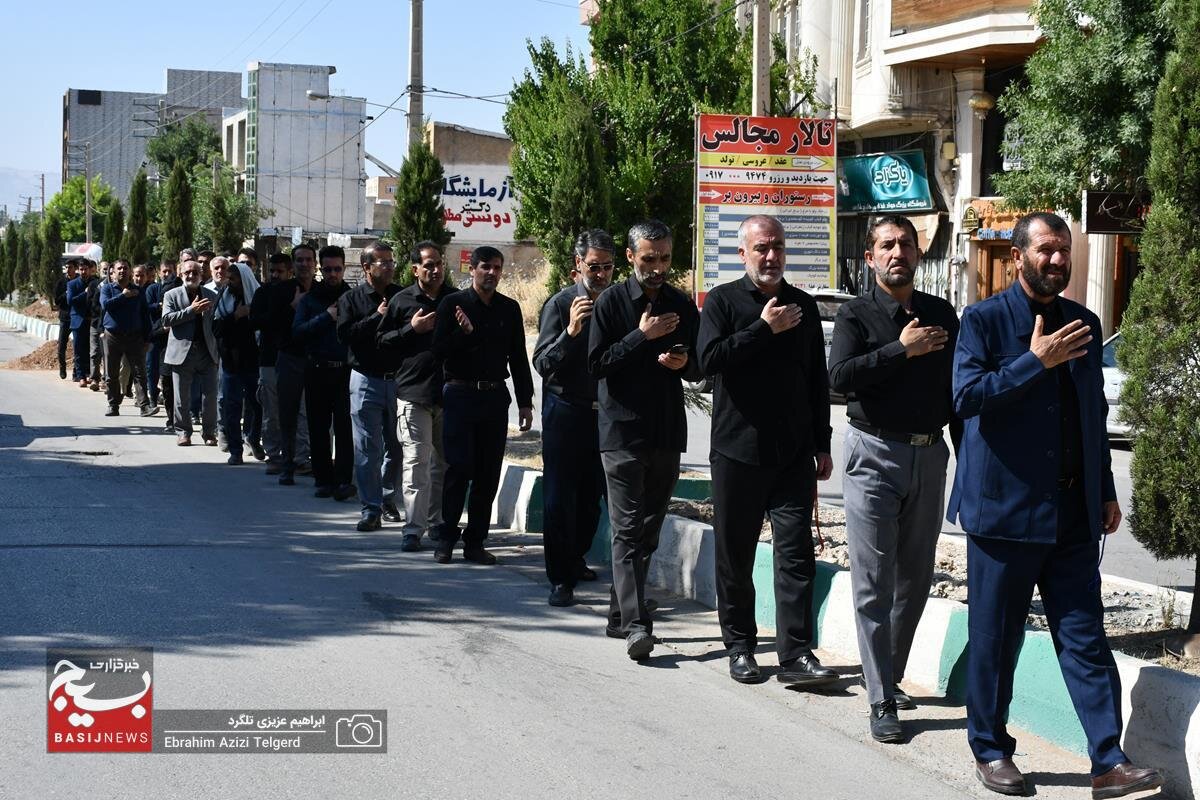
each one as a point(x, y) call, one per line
point(416, 75)
point(761, 87)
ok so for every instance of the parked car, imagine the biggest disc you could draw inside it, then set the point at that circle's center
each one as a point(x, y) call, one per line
point(1114, 378)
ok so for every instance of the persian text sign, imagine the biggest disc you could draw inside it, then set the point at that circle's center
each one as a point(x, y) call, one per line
point(886, 182)
point(480, 203)
point(784, 167)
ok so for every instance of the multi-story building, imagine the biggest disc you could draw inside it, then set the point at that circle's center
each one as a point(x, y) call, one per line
point(299, 151)
point(111, 128)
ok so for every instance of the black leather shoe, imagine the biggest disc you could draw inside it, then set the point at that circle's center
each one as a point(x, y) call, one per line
point(885, 723)
point(287, 479)
point(390, 512)
point(805, 670)
point(587, 574)
point(903, 701)
point(1125, 779)
point(257, 450)
point(744, 669)
point(112, 412)
point(443, 552)
point(323, 491)
point(479, 556)
point(235, 460)
point(369, 522)
point(274, 468)
point(639, 645)
point(562, 595)
point(1001, 776)
point(344, 492)
point(613, 632)
point(411, 543)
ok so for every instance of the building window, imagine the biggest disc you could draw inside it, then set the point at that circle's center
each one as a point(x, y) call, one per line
point(864, 30)
point(89, 97)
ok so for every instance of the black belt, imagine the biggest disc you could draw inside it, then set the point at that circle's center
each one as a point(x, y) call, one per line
point(915, 439)
point(387, 376)
point(480, 386)
point(557, 391)
point(1069, 483)
point(326, 364)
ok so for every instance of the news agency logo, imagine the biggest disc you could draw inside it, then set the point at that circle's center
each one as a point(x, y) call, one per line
point(99, 700)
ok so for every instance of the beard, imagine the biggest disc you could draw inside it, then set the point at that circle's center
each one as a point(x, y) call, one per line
point(593, 286)
point(893, 280)
point(1042, 283)
point(764, 278)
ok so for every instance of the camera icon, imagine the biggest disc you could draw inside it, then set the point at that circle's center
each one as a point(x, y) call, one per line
point(360, 730)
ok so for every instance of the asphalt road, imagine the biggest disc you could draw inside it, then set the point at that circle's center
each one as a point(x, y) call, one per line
point(260, 596)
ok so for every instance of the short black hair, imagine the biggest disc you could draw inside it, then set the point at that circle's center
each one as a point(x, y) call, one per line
point(651, 229)
point(249, 251)
point(594, 239)
point(899, 220)
point(331, 251)
point(304, 246)
point(485, 253)
point(414, 256)
point(368, 253)
point(1020, 234)
point(208, 253)
point(280, 258)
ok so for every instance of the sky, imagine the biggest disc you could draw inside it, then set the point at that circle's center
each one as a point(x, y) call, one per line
point(472, 47)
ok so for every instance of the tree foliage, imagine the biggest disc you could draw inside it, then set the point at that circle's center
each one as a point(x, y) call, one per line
point(1083, 111)
point(419, 214)
point(135, 246)
point(1160, 331)
point(9, 263)
point(223, 219)
point(657, 63)
point(190, 142)
point(114, 230)
point(52, 248)
point(69, 205)
point(177, 212)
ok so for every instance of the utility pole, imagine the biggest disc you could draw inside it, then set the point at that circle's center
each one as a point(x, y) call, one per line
point(761, 87)
point(87, 189)
point(416, 74)
point(43, 193)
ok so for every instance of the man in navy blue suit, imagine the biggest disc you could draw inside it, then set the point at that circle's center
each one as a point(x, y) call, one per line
point(1034, 491)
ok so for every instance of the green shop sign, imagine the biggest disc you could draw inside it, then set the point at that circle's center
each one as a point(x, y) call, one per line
point(884, 182)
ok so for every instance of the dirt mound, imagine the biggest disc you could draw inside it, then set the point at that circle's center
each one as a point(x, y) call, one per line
point(45, 357)
point(40, 309)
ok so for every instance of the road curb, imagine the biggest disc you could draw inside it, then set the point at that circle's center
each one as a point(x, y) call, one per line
point(46, 331)
point(1161, 706)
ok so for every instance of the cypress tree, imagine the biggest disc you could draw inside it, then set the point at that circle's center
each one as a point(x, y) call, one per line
point(114, 230)
point(52, 247)
point(135, 246)
point(1160, 331)
point(419, 213)
point(177, 213)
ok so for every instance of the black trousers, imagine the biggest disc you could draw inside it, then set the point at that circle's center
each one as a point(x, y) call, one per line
point(640, 483)
point(132, 348)
point(572, 485)
point(289, 378)
point(64, 334)
point(474, 431)
point(327, 403)
point(743, 494)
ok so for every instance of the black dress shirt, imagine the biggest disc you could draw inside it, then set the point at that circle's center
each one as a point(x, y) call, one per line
point(641, 401)
point(495, 346)
point(560, 358)
point(280, 315)
point(60, 298)
point(771, 398)
point(1070, 464)
point(260, 319)
point(358, 327)
point(885, 388)
point(420, 374)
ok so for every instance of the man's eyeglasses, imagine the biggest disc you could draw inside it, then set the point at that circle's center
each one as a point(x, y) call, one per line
point(384, 264)
point(604, 266)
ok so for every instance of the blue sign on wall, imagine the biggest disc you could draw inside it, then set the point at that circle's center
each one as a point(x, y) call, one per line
point(884, 182)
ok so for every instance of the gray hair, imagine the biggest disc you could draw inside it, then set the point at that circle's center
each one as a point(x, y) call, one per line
point(756, 219)
point(218, 261)
point(650, 229)
point(594, 239)
point(187, 254)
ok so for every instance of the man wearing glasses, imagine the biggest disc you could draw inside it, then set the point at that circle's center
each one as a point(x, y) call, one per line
point(574, 475)
point(372, 387)
point(326, 377)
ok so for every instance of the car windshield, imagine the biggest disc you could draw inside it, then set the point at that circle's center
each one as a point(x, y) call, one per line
point(1109, 358)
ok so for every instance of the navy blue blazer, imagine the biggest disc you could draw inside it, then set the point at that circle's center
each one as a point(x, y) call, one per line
point(1006, 482)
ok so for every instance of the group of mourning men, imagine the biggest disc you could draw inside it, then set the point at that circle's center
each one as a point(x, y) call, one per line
point(1017, 385)
point(412, 383)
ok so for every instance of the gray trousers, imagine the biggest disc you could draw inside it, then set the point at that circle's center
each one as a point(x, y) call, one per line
point(895, 496)
point(424, 467)
point(268, 398)
point(198, 365)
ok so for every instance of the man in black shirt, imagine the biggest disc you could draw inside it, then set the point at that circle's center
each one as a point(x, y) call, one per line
point(64, 313)
point(892, 355)
point(372, 387)
point(761, 339)
point(573, 476)
point(290, 363)
point(480, 337)
point(638, 349)
point(407, 333)
point(279, 271)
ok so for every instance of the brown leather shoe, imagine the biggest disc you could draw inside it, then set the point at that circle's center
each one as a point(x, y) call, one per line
point(1125, 779)
point(184, 440)
point(1000, 776)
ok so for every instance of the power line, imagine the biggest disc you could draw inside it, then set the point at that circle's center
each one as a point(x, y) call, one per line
point(349, 139)
point(302, 29)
